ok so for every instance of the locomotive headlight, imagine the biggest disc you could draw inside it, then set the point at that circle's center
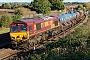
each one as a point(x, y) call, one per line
point(18, 36)
point(24, 37)
point(13, 37)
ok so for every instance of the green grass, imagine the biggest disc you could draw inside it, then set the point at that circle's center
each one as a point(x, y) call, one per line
point(4, 30)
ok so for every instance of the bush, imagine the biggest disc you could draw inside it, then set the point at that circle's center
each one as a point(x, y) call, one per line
point(0, 23)
point(16, 17)
point(6, 6)
point(80, 7)
point(6, 20)
point(22, 11)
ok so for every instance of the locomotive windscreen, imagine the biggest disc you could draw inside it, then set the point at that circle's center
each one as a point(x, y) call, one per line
point(23, 28)
point(14, 28)
point(18, 28)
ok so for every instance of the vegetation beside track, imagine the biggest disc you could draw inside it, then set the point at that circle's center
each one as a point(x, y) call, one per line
point(4, 30)
point(76, 46)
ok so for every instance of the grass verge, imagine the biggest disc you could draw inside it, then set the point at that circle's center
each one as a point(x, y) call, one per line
point(4, 30)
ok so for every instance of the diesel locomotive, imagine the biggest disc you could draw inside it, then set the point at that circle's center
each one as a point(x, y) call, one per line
point(35, 30)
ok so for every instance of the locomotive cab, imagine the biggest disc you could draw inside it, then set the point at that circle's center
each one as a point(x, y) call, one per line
point(19, 31)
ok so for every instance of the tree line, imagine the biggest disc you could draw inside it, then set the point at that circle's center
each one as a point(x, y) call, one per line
point(40, 6)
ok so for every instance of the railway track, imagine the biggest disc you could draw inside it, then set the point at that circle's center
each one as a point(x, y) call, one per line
point(9, 54)
point(5, 53)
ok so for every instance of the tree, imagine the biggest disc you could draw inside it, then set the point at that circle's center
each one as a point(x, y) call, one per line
point(6, 20)
point(41, 6)
point(87, 5)
point(22, 11)
point(29, 5)
point(80, 7)
point(16, 17)
point(57, 4)
point(6, 6)
point(17, 5)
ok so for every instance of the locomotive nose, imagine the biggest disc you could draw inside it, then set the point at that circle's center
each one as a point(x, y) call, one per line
point(20, 36)
point(15, 38)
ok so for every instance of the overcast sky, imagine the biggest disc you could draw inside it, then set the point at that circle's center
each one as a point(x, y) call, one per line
point(32, 0)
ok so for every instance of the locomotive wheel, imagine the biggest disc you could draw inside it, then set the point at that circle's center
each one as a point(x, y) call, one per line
point(44, 36)
point(34, 40)
point(31, 41)
point(28, 42)
point(14, 46)
point(38, 38)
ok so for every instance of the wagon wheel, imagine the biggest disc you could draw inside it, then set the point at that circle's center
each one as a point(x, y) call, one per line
point(75, 21)
point(72, 23)
point(31, 44)
point(28, 43)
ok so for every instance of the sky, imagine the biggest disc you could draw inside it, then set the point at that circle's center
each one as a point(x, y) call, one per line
point(76, 0)
point(32, 0)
